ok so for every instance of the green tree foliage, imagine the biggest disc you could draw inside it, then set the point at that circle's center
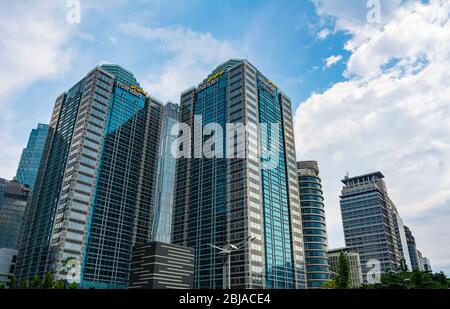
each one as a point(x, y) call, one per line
point(2, 286)
point(13, 282)
point(411, 280)
point(24, 284)
point(35, 282)
point(343, 273)
point(47, 283)
point(59, 284)
point(331, 284)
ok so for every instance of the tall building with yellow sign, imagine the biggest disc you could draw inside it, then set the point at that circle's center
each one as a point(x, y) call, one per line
point(93, 198)
point(229, 200)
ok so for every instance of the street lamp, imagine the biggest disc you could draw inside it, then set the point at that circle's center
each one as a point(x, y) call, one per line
point(227, 250)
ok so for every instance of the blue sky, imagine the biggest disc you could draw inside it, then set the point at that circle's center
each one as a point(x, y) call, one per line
point(279, 37)
point(367, 94)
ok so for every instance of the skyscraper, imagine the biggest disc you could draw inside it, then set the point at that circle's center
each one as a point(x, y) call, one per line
point(93, 199)
point(230, 198)
point(314, 225)
point(368, 220)
point(402, 243)
point(420, 263)
point(31, 156)
point(427, 265)
point(165, 180)
point(413, 252)
point(13, 202)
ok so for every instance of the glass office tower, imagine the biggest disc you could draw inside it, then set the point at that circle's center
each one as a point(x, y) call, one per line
point(93, 198)
point(368, 219)
point(402, 242)
point(314, 225)
point(162, 222)
point(412, 249)
point(13, 202)
point(31, 156)
point(227, 199)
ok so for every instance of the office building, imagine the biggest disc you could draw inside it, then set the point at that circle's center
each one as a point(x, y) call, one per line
point(165, 179)
point(402, 243)
point(7, 265)
point(420, 263)
point(31, 156)
point(413, 252)
point(427, 265)
point(93, 198)
point(251, 191)
point(13, 202)
point(314, 225)
point(368, 220)
point(354, 262)
point(158, 265)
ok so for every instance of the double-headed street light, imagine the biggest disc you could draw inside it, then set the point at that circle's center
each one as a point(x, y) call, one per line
point(227, 250)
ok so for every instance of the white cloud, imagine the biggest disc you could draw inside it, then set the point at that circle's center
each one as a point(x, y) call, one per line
point(191, 56)
point(393, 115)
point(332, 60)
point(32, 38)
point(323, 34)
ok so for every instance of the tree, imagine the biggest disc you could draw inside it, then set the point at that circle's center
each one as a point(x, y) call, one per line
point(35, 282)
point(441, 278)
point(343, 272)
point(73, 285)
point(411, 280)
point(331, 284)
point(2, 286)
point(13, 282)
point(24, 283)
point(47, 283)
point(59, 284)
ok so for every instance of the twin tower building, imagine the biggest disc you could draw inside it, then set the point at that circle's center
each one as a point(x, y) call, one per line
point(120, 169)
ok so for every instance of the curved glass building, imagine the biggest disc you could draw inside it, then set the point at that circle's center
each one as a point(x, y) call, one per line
point(314, 226)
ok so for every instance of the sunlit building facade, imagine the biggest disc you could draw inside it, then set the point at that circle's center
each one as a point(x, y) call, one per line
point(93, 198)
point(224, 200)
point(368, 220)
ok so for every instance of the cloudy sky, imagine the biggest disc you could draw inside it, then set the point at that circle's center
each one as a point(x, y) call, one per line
point(370, 91)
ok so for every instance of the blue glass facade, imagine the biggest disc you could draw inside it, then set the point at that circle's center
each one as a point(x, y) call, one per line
point(102, 188)
point(38, 222)
point(31, 156)
point(279, 258)
point(113, 211)
point(208, 215)
point(230, 199)
point(314, 226)
point(165, 178)
point(13, 200)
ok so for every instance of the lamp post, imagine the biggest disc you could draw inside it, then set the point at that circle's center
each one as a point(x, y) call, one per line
point(227, 250)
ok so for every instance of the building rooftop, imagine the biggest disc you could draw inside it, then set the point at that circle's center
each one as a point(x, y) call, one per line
point(378, 174)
